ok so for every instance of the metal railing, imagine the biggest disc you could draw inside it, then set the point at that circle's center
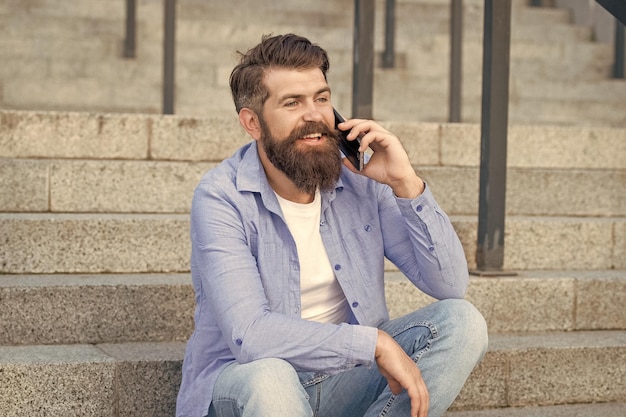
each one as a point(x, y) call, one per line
point(493, 137)
point(363, 59)
point(130, 39)
point(389, 56)
point(456, 61)
point(169, 55)
point(169, 48)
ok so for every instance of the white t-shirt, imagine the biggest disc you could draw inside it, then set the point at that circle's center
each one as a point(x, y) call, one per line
point(322, 298)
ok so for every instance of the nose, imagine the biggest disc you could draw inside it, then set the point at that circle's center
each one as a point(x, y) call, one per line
point(312, 114)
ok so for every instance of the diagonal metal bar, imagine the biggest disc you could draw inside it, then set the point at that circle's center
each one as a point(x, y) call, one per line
point(616, 7)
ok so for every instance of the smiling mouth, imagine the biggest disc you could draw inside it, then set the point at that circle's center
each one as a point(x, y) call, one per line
point(312, 137)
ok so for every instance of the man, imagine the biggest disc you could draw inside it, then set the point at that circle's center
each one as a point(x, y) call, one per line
point(288, 248)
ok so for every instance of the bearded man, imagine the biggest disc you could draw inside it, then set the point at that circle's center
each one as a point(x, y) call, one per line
point(288, 248)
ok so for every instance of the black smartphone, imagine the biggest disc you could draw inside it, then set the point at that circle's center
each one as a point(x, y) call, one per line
point(350, 148)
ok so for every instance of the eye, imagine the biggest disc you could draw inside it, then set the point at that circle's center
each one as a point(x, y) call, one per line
point(291, 103)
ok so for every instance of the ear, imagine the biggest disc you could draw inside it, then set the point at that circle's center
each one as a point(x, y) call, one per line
point(250, 122)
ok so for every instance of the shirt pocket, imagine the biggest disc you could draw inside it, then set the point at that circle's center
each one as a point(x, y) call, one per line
point(364, 247)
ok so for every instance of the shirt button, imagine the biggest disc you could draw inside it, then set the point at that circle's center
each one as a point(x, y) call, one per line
point(337, 267)
point(367, 227)
point(431, 248)
point(239, 342)
point(322, 222)
point(418, 208)
point(355, 304)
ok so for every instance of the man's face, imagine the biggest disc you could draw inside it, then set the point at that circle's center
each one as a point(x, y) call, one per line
point(296, 128)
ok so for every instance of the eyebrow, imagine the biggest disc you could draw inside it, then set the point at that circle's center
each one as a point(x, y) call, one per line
point(299, 96)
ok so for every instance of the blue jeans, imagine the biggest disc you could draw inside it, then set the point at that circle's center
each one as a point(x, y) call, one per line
point(446, 339)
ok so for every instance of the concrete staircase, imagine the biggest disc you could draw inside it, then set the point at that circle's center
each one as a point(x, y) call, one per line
point(95, 295)
point(59, 57)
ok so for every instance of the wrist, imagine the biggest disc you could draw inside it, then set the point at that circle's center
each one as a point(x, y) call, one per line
point(410, 188)
point(380, 341)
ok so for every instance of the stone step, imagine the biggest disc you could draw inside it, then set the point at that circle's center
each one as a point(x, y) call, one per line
point(612, 409)
point(535, 59)
point(528, 59)
point(322, 13)
point(130, 379)
point(67, 135)
point(530, 101)
point(396, 101)
point(32, 27)
point(142, 94)
point(217, 43)
point(212, 27)
point(199, 92)
point(114, 9)
point(548, 369)
point(193, 8)
point(424, 17)
point(196, 67)
point(41, 243)
point(118, 186)
point(76, 309)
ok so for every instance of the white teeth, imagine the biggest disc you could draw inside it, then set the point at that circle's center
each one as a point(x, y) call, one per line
point(313, 136)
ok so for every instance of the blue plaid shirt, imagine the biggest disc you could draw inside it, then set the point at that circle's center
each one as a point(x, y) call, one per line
point(246, 276)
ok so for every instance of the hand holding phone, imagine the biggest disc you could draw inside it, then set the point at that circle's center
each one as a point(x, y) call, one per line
point(350, 148)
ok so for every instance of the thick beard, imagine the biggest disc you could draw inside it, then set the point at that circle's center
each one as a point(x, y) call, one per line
point(311, 167)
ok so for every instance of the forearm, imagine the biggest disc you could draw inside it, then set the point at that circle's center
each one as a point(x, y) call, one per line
point(307, 345)
point(438, 265)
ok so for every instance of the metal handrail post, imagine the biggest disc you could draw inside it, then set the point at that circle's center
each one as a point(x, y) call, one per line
point(390, 34)
point(456, 60)
point(618, 65)
point(363, 59)
point(494, 126)
point(169, 56)
point(130, 40)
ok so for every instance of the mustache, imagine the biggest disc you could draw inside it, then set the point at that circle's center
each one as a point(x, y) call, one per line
point(313, 127)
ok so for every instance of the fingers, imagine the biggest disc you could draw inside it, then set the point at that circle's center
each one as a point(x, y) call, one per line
point(370, 132)
point(420, 399)
point(402, 374)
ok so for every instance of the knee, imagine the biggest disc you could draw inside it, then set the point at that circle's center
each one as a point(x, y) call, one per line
point(273, 375)
point(274, 384)
point(467, 325)
point(268, 387)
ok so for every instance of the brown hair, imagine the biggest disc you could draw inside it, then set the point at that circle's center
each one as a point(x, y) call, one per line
point(285, 51)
